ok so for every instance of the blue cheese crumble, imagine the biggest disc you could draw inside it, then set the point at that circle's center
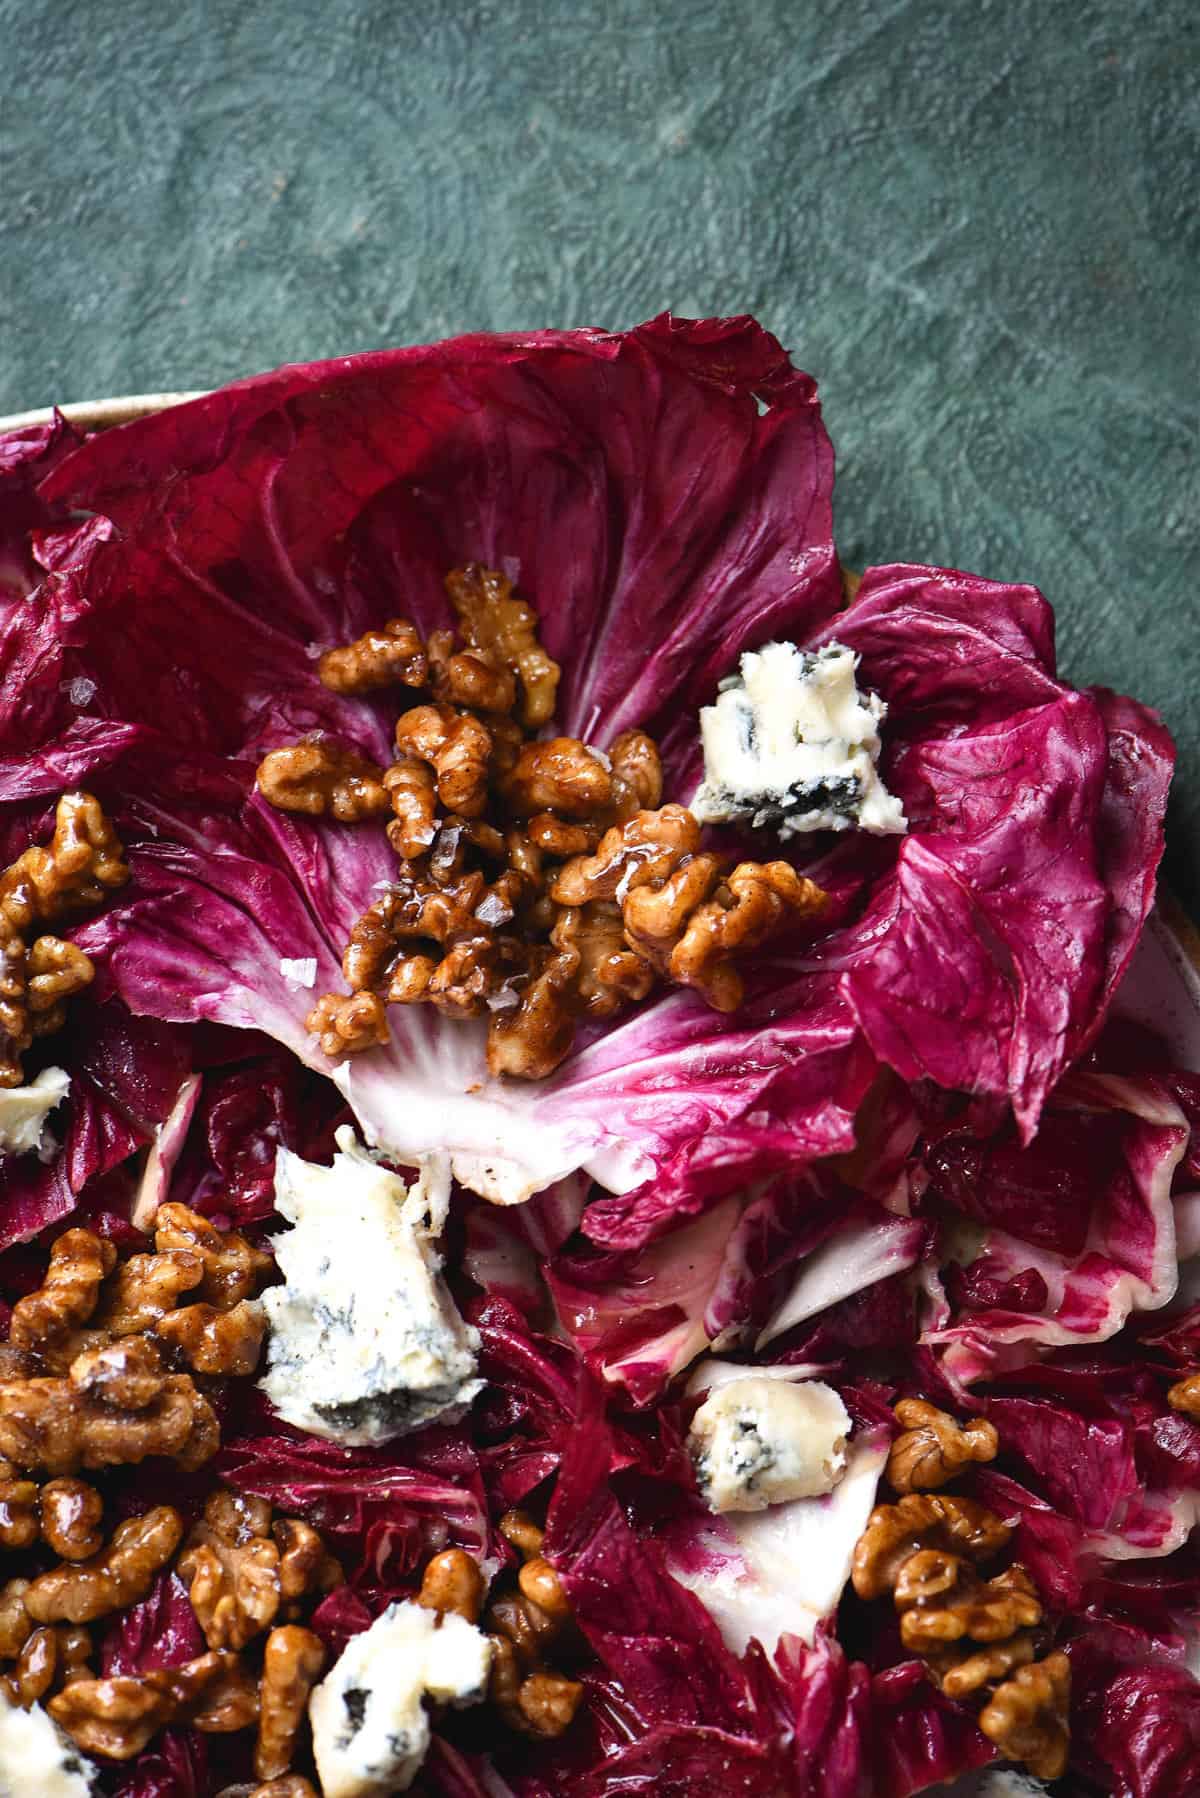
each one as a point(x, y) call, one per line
point(760, 1441)
point(24, 1110)
point(792, 745)
point(365, 1341)
point(370, 1727)
point(36, 1757)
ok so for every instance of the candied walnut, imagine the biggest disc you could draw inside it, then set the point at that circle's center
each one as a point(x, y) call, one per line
point(555, 836)
point(114, 1717)
point(79, 1261)
point(78, 1592)
point(637, 774)
point(16, 1033)
point(525, 1535)
point(36, 1666)
point(305, 1565)
point(1184, 1395)
point(49, 1424)
point(933, 1446)
point(457, 746)
point(941, 1600)
point(292, 1785)
point(71, 1516)
point(215, 1693)
point(231, 1567)
point(75, 871)
point(647, 847)
point(55, 971)
point(391, 656)
point(233, 1267)
point(145, 1287)
point(563, 776)
point(962, 1669)
point(1026, 1716)
point(504, 1680)
point(18, 1509)
point(529, 1043)
point(348, 1024)
point(315, 778)
point(452, 1582)
point(541, 1586)
point(411, 908)
point(455, 836)
point(610, 974)
point(292, 1663)
point(520, 1624)
point(16, 1625)
point(128, 1374)
point(690, 937)
point(216, 1342)
point(503, 628)
point(922, 1520)
point(74, 1653)
point(547, 1703)
point(412, 793)
point(464, 677)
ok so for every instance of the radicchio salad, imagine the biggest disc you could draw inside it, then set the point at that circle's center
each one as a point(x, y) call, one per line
point(578, 1215)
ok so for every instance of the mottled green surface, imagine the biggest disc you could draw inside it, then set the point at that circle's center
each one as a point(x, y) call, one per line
point(976, 223)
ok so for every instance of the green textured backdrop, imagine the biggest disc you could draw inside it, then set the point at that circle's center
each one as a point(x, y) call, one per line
point(976, 223)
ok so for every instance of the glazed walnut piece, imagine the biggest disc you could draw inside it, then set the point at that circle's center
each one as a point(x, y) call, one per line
point(610, 974)
point(1026, 1716)
point(933, 1447)
point(1184, 1395)
point(699, 918)
point(962, 1668)
point(18, 1509)
point(526, 1625)
point(292, 1663)
point(231, 1567)
point(647, 847)
point(940, 1600)
point(502, 627)
point(393, 655)
point(243, 1571)
point(71, 1513)
point(412, 793)
point(55, 971)
point(453, 1584)
point(530, 1042)
point(79, 1263)
point(216, 1342)
point(457, 746)
point(113, 1717)
point(348, 1023)
point(60, 1425)
point(76, 871)
point(122, 1573)
point(233, 1269)
point(315, 777)
point(958, 1526)
point(562, 776)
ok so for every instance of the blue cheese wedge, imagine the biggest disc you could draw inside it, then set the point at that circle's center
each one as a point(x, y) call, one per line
point(370, 1727)
point(758, 1441)
point(36, 1757)
point(365, 1342)
point(792, 745)
point(24, 1110)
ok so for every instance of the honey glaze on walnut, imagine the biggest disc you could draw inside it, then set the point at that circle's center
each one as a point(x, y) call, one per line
point(541, 880)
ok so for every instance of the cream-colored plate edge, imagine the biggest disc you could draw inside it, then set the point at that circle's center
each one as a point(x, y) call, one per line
point(99, 415)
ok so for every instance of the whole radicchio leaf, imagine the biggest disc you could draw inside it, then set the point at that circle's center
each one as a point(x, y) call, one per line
point(663, 497)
